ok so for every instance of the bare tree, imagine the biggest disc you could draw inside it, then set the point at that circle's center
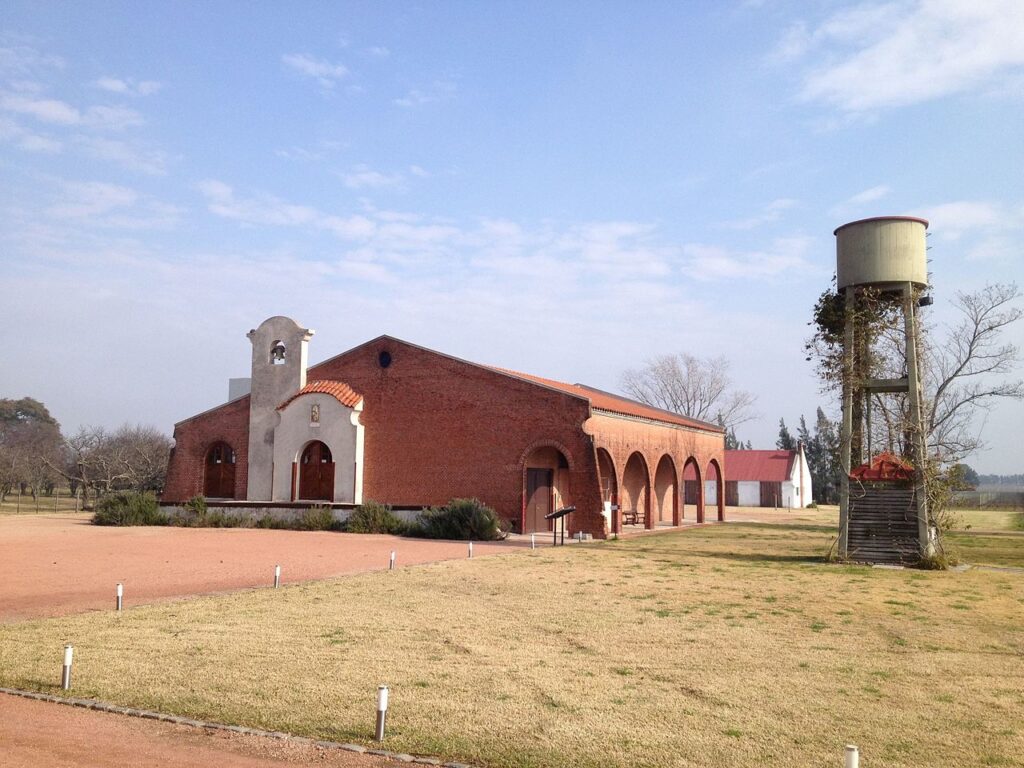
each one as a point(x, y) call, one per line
point(132, 458)
point(967, 372)
point(691, 386)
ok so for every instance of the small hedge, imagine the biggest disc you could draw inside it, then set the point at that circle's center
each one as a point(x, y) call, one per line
point(374, 517)
point(465, 519)
point(129, 508)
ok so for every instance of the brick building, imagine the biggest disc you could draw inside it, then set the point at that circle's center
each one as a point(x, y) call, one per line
point(401, 424)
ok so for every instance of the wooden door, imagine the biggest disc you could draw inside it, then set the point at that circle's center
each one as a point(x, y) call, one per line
point(220, 472)
point(538, 499)
point(732, 493)
point(771, 494)
point(316, 473)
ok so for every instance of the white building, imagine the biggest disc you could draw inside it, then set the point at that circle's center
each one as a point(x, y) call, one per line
point(777, 478)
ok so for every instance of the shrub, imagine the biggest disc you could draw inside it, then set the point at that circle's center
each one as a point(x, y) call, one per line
point(129, 508)
point(192, 515)
point(317, 518)
point(374, 517)
point(468, 519)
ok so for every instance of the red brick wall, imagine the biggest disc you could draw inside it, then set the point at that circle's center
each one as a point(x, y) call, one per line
point(621, 437)
point(438, 428)
point(193, 439)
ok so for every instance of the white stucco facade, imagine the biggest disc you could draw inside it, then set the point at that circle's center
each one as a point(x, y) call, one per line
point(336, 426)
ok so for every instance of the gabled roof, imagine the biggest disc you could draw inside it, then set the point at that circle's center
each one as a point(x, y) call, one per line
point(606, 401)
point(598, 399)
point(765, 466)
point(339, 390)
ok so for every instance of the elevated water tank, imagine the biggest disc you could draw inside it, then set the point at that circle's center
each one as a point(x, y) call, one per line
point(885, 249)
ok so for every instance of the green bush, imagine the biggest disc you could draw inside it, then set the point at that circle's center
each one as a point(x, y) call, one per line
point(317, 518)
point(129, 508)
point(374, 517)
point(466, 519)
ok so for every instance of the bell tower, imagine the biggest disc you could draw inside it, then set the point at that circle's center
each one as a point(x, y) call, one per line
point(279, 359)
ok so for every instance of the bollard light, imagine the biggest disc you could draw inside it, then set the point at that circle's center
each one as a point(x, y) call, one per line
point(382, 711)
point(852, 756)
point(471, 550)
point(277, 576)
point(533, 541)
point(391, 564)
point(120, 595)
point(65, 675)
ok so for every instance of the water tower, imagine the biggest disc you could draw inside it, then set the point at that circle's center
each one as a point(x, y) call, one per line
point(883, 513)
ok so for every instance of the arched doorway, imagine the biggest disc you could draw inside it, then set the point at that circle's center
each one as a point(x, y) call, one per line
point(316, 473)
point(715, 488)
point(609, 489)
point(666, 492)
point(636, 492)
point(545, 486)
point(693, 489)
point(219, 482)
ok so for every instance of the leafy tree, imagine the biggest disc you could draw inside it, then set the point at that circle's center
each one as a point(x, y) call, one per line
point(691, 386)
point(966, 479)
point(29, 437)
point(786, 442)
point(822, 452)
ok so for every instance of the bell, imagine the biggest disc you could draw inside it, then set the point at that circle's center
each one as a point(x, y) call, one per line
point(277, 353)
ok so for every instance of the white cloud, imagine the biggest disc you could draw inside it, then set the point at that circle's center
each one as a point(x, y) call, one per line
point(27, 140)
point(101, 204)
point(56, 112)
point(771, 212)
point(870, 195)
point(881, 55)
point(45, 110)
point(378, 51)
point(364, 177)
point(126, 154)
point(439, 90)
point(326, 73)
point(92, 198)
point(954, 219)
point(711, 262)
point(128, 86)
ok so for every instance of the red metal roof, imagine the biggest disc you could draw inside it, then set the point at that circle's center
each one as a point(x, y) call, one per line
point(605, 401)
point(339, 390)
point(767, 466)
point(884, 466)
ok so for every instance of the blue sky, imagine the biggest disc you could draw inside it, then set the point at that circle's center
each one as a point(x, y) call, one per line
point(563, 188)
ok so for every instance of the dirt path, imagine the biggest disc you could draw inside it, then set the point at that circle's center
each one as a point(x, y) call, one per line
point(34, 734)
point(60, 564)
point(54, 565)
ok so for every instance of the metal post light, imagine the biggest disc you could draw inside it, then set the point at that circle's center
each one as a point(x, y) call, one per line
point(382, 711)
point(65, 675)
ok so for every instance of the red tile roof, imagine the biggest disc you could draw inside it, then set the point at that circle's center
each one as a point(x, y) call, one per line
point(605, 401)
point(339, 390)
point(767, 466)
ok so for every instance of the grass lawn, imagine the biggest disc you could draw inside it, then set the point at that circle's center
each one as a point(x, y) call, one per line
point(726, 646)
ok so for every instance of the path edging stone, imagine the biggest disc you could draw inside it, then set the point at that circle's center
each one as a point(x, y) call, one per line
point(102, 706)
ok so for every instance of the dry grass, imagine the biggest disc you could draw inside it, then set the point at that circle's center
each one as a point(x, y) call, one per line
point(726, 646)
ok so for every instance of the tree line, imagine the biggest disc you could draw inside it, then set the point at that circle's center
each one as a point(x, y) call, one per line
point(36, 457)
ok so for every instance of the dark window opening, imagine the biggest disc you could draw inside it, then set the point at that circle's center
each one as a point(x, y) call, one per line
point(384, 358)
